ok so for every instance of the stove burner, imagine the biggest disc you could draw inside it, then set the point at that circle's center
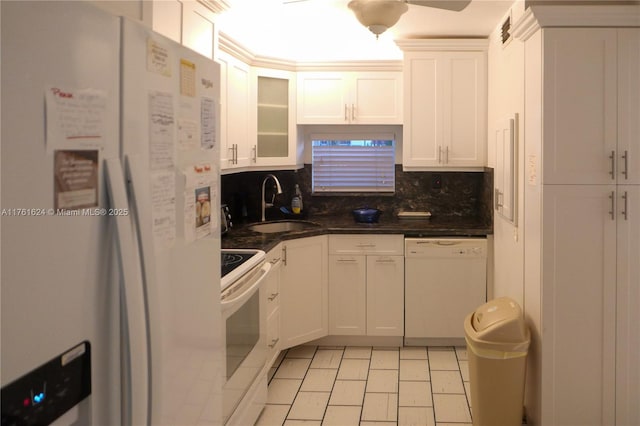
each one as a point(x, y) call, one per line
point(230, 260)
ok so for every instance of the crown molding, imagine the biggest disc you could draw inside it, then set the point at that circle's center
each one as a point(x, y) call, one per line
point(238, 51)
point(235, 49)
point(449, 44)
point(273, 63)
point(216, 6)
point(545, 16)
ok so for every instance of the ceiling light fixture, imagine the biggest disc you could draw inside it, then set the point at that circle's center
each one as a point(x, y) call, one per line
point(378, 15)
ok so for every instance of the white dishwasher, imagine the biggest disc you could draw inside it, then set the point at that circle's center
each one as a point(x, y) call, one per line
point(445, 280)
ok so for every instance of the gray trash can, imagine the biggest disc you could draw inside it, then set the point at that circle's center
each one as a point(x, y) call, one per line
point(497, 344)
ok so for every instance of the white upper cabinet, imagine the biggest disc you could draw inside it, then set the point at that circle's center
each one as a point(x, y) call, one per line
point(628, 149)
point(234, 112)
point(373, 97)
point(274, 140)
point(445, 103)
point(191, 23)
point(579, 72)
point(198, 28)
point(591, 119)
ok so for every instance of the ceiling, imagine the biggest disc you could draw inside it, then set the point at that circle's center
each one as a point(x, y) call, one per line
point(326, 30)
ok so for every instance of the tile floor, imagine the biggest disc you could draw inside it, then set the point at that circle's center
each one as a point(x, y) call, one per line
point(367, 386)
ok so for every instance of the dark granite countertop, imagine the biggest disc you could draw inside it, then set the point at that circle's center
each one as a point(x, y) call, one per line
point(241, 237)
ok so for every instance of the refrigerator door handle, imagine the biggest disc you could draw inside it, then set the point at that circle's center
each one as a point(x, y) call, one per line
point(135, 400)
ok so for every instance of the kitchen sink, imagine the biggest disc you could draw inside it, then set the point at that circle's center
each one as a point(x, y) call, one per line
point(282, 226)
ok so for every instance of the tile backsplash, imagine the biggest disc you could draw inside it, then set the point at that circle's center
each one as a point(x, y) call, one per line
point(460, 194)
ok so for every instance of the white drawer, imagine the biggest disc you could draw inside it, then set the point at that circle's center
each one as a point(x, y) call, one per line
point(366, 244)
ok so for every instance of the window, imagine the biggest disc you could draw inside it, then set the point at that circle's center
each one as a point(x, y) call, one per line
point(353, 165)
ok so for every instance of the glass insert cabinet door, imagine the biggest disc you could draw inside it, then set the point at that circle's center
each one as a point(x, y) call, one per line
point(273, 117)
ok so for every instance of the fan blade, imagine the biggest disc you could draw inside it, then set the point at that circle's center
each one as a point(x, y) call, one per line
point(454, 5)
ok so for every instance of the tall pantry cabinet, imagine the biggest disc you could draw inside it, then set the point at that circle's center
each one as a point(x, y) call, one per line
point(582, 227)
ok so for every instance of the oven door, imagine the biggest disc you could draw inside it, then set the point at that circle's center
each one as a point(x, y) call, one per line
point(244, 335)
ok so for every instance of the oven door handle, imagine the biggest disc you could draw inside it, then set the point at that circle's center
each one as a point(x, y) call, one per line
point(238, 300)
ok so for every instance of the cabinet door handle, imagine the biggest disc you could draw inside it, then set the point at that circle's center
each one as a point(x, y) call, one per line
point(385, 261)
point(439, 154)
point(232, 156)
point(498, 196)
point(346, 111)
point(353, 112)
point(612, 157)
point(446, 156)
point(284, 255)
point(275, 261)
point(625, 157)
point(255, 153)
point(625, 211)
point(236, 153)
point(346, 260)
point(273, 296)
point(365, 245)
point(613, 206)
point(274, 342)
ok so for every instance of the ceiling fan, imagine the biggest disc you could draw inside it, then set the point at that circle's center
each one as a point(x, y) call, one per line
point(380, 15)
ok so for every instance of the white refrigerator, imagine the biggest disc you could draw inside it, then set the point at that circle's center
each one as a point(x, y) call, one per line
point(110, 250)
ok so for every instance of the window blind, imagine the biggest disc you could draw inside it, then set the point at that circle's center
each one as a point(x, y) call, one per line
point(353, 166)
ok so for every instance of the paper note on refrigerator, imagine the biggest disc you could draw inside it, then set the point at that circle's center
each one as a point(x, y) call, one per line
point(208, 123)
point(161, 132)
point(187, 134)
point(75, 118)
point(158, 58)
point(75, 179)
point(200, 194)
point(163, 202)
point(187, 78)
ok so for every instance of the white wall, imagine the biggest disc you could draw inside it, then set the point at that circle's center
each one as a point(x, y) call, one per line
point(506, 97)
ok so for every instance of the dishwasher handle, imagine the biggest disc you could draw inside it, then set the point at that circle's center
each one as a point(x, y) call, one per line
point(439, 242)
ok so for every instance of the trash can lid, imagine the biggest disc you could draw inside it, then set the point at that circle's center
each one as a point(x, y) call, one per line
point(500, 320)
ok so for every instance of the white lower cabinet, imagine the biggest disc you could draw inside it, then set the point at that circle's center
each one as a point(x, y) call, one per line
point(385, 295)
point(347, 295)
point(628, 305)
point(303, 291)
point(579, 305)
point(366, 289)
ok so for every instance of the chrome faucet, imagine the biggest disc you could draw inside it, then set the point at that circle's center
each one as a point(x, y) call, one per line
point(276, 187)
